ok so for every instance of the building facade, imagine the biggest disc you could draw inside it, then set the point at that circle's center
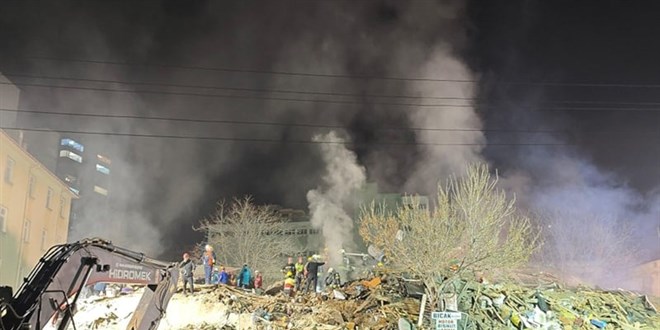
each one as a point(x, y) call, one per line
point(34, 211)
point(87, 173)
point(85, 170)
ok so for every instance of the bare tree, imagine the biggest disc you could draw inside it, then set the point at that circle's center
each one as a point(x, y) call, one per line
point(245, 233)
point(474, 228)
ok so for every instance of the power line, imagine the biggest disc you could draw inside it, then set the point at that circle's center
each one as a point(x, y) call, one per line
point(249, 97)
point(286, 99)
point(305, 125)
point(289, 91)
point(261, 90)
point(332, 75)
point(236, 139)
point(263, 123)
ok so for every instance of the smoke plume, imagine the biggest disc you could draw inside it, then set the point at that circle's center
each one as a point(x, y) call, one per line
point(596, 228)
point(327, 203)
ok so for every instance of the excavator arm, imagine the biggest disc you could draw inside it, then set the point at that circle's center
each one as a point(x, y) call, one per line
point(54, 285)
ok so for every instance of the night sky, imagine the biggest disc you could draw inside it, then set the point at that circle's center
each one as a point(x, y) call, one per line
point(586, 71)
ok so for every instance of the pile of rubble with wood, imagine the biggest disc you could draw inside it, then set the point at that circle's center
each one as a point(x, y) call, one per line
point(392, 301)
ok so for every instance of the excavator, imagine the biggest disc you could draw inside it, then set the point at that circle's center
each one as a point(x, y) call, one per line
point(49, 294)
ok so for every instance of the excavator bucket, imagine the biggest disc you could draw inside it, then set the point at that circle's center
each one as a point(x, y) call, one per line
point(153, 304)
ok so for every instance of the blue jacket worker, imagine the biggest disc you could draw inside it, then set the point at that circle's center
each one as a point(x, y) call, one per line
point(244, 277)
point(224, 276)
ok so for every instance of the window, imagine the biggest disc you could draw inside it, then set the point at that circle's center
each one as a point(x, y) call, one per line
point(62, 206)
point(26, 231)
point(74, 190)
point(72, 144)
point(44, 235)
point(71, 155)
point(49, 196)
point(3, 219)
point(101, 191)
point(104, 159)
point(31, 184)
point(102, 169)
point(9, 170)
point(70, 179)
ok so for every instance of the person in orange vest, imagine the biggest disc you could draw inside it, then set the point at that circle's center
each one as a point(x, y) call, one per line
point(208, 260)
point(289, 284)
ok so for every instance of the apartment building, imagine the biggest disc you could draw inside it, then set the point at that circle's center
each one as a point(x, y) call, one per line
point(34, 211)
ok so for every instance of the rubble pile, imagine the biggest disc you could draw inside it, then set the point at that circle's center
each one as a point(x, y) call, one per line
point(386, 303)
point(359, 304)
point(389, 301)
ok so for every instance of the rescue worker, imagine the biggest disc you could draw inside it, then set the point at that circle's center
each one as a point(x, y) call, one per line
point(258, 280)
point(244, 277)
point(312, 274)
point(224, 276)
point(187, 268)
point(300, 273)
point(333, 279)
point(290, 269)
point(289, 284)
point(208, 260)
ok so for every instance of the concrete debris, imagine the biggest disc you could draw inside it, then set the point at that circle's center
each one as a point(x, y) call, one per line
point(385, 304)
point(389, 302)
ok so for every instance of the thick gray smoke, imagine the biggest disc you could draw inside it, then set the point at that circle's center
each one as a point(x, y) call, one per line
point(161, 187)
point(596, 229)
point(438, 161)
point(327, 203)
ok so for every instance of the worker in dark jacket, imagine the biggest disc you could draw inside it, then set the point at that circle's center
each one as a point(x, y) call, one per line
point(312, 274)
point(290, 269)
point(187, 268)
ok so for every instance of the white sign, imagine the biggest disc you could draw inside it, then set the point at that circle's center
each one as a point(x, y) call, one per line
point(446, 320)
point(446, 315)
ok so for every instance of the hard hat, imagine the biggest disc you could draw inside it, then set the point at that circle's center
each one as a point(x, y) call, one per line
point(330, 270)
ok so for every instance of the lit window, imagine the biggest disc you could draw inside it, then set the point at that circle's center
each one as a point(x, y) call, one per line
point(49, 196)
point(9, 170)
point(104, 159)
point(71, 155)
point(3, 219)
point(70, 179)
point(101, 191)
point(72, 144)
point(31, 183)
point(62, 206)
point(102, 169)
point(44, 235)
point(26, 231)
